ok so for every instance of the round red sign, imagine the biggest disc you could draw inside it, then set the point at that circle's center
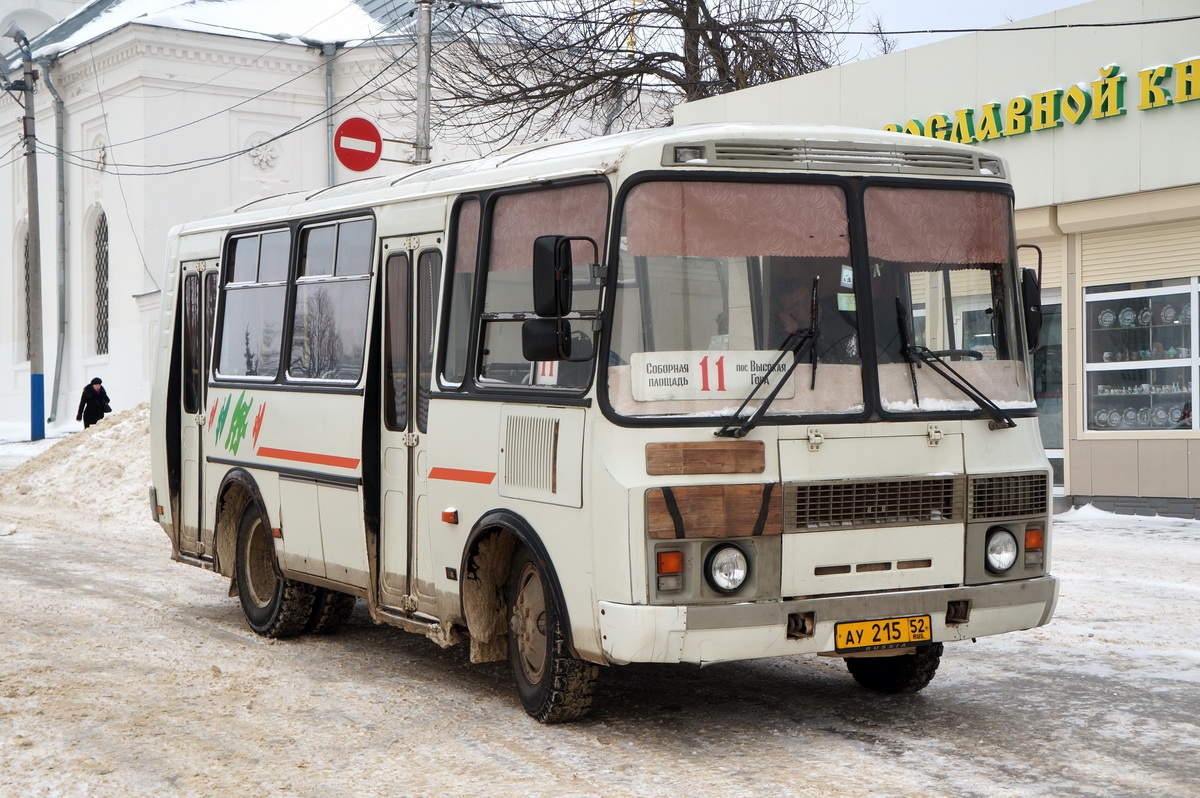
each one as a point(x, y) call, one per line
point(357, 144)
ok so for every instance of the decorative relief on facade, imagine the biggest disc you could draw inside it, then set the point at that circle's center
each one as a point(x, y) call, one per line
point(263, 152)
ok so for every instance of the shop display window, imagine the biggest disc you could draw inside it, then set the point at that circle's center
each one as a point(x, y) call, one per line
point(1139, 358)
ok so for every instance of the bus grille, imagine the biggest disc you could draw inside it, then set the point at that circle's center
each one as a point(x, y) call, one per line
point(830, 505)
point(1008, 495)
point(531, 453)
point(826, 155)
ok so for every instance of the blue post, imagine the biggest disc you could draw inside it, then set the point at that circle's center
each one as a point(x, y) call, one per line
point(37, 407)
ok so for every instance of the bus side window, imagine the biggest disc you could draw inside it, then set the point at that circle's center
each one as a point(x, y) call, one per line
point(253, 304)
point(460, 289)
point(517, 220)
point(191, 340)
point(332, 295)
point(429, 278)
point(395, 343)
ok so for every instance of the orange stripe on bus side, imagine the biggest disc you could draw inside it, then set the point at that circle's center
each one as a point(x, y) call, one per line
point(308, 457)
point(463, 475)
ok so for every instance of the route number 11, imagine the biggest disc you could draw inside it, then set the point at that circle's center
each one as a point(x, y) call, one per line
point(718, 367)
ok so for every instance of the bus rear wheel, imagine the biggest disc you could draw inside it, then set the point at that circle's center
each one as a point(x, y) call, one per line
point(273, 606)
point(331, 609)
point(907, 673)
point(553, 686)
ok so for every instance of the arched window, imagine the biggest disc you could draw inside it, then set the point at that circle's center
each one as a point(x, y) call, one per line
point(101, 272)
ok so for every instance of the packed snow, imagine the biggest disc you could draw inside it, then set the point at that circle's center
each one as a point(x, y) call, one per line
point(125, 674)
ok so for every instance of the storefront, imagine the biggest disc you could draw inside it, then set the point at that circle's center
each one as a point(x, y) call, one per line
point(1098, 120)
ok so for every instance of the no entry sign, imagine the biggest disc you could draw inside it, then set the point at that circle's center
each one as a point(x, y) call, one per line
point(357, 144)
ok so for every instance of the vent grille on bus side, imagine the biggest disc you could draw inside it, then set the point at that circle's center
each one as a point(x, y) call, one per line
point(844, 156)
point(1008, 496)
point(531, 453)
point(829, 505)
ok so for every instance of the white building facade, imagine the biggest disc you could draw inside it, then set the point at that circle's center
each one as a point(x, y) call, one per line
point(1098, 120)
point(162, 120)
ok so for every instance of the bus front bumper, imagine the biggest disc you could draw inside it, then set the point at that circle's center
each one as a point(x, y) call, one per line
point(719, 633)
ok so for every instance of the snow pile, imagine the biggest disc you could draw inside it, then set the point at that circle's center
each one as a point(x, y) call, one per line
point(102, 471)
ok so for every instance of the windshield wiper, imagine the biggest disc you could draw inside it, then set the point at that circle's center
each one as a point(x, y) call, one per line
point(918, 355)
point(795, 342)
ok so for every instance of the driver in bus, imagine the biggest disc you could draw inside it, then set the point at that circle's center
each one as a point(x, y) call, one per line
point(791, 303)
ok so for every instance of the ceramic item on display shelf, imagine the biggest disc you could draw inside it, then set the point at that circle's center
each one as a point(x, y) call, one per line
point(1143, 417)
point(1145, 317)
point(1167, 314)
point(1185, 315)
point(1128, 317)
point(1107, 318)
point(1114, 418)
point(1101, 418)
point(1130, 417)
point(1176, 414)
point(1160, 417)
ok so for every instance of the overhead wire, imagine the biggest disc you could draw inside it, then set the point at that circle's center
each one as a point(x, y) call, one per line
point(120, 168)
point(358, 94)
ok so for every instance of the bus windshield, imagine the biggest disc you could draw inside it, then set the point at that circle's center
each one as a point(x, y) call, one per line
point(715, 278)
point(941, 283)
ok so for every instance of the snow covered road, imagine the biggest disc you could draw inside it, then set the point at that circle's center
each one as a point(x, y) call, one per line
point(122, 673)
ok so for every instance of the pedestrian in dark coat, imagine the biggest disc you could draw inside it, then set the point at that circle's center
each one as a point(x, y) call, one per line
point(93, 404)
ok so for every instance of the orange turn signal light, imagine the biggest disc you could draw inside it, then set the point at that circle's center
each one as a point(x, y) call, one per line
point(450, 516)
point(1035, 537)
point(670, 562)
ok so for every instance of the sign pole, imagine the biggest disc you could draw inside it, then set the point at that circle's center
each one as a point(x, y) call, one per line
point(424, 76)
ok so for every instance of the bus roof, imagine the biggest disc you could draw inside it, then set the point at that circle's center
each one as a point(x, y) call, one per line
point(728, 145)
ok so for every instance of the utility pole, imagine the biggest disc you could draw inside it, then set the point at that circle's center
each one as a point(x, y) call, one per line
point(37, 391)
point(424, 51)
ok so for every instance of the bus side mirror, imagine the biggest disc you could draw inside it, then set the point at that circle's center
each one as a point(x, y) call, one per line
point(1031, 301)
point(546, 339)
point(552, 275)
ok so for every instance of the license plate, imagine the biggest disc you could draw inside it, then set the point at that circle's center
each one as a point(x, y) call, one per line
point(884, 633)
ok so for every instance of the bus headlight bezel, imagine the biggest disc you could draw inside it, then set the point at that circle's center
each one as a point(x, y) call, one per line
point(726, 568)
point(1000, 550)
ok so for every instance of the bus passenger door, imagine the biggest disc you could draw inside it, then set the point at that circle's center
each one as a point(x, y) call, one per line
point(199, 303)
point(412, 276)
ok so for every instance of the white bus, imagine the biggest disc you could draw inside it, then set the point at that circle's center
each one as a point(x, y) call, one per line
point(689, 395)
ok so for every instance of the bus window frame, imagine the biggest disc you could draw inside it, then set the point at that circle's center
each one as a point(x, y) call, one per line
point(471, 386)
point(281, 381)
point(854, 188)
point(296, 280)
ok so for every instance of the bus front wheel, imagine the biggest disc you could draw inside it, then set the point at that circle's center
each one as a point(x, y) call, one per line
point(907, 673)
point(273, 606)
point(553, 686)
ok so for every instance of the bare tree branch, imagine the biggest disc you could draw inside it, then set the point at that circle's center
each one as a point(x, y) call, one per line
point(545, 68)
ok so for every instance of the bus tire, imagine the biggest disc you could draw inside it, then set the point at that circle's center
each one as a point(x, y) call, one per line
point(331, 609)
point(553, 686)
point(273, 606)
point(907, 673)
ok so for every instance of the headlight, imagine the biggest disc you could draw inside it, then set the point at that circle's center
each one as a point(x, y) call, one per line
point(1001, 550)
point(726, 568)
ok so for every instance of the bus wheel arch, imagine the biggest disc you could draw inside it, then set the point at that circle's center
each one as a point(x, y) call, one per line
point(487, 558)
point(237, 489)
